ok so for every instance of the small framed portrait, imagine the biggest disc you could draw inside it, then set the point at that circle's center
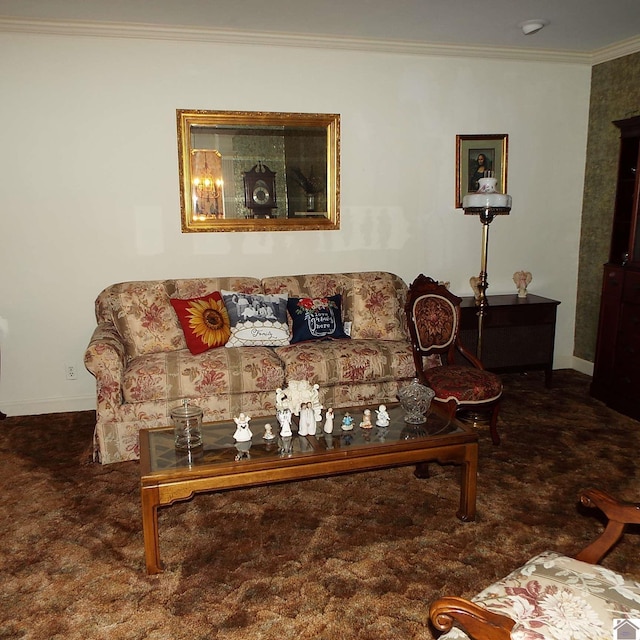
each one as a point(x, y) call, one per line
point(480, 156)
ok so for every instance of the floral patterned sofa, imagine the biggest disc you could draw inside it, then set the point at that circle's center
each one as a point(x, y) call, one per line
point(143, 368)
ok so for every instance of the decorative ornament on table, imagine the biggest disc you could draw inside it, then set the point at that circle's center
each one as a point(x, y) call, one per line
point(243, 433)
point(268, 432)
point(347, 422)
point(187, 423)
point(328, 421)
point(284, 418)
point(415, 399)
point(522, 280)
point(298, 393)
point(307, 420)
point(383, 418)
point(366, 420)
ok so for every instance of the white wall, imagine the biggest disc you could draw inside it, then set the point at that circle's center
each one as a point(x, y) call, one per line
point(89, 183)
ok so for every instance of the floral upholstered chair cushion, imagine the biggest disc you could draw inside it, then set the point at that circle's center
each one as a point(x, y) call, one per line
point(554, 597)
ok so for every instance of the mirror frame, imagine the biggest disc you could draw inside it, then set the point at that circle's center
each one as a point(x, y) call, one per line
point(252, 120)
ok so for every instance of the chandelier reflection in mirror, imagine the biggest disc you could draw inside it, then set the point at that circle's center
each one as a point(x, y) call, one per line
point(206, 185)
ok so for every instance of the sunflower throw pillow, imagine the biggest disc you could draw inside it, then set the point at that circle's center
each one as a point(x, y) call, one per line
point(257, 319)
point(204, 321)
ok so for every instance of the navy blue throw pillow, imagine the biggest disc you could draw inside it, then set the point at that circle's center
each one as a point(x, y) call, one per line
point(316, 318)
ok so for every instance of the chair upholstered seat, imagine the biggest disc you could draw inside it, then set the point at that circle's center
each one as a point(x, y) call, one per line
point(463, 384)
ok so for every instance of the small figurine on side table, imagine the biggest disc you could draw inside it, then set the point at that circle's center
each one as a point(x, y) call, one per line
point(383, 418)
point(366, 420)
point(522, 280)
point(243, 433)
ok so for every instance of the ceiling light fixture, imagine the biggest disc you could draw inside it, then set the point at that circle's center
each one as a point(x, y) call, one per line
point(532, 26)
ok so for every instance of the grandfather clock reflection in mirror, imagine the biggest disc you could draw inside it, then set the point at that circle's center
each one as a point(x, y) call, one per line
point(616, 372)
point(260, 191)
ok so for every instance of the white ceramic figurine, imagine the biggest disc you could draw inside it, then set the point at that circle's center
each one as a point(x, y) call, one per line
point(383, 418)
point(243, 433)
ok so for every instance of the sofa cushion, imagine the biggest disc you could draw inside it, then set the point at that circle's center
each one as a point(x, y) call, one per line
point(256, 319)
point(336, 362)
point(145, 319)
point(179, 374)
point(204, 321)
point(316, 318)
point(554, 596)
point(377, 313)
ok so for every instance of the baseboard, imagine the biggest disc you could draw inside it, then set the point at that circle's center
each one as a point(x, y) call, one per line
point(49, 405)
point(583, 366)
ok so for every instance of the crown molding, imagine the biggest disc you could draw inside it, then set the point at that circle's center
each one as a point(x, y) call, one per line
point(229, 36)
point(618, 50)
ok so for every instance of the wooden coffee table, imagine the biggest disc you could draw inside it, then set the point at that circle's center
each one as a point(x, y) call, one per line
point(168, 476)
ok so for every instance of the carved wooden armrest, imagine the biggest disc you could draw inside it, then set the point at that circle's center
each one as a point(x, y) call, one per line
point(619, 514)
point(478, 623)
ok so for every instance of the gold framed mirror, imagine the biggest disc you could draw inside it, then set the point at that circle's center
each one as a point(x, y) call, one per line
point(258, 171)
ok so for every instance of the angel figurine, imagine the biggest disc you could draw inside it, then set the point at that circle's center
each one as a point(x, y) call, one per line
point(522, 280)
point(383, 418)
point(243, 433)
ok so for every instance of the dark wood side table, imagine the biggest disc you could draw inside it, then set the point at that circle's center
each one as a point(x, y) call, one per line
point(518, 333)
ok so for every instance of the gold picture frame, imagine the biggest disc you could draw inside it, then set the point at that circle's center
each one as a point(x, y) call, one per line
point(494, 147)
point(258, 171)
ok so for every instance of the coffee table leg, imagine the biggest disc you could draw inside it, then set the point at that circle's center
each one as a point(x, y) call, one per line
point(468, 483)
point(150, 502)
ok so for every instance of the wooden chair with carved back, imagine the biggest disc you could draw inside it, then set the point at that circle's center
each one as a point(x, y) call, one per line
point(433, 317)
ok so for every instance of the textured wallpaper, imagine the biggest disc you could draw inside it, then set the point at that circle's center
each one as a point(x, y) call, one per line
point(615, 95)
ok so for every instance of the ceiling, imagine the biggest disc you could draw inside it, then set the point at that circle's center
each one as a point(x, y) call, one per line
point(581, 26)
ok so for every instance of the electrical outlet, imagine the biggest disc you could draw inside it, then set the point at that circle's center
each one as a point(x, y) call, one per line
point(72, 372)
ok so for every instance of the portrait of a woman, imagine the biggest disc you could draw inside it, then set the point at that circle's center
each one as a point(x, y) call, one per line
point(479, 167)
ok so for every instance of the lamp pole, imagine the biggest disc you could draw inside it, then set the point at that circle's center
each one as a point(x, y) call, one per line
point(486, 217)
point(485, 203)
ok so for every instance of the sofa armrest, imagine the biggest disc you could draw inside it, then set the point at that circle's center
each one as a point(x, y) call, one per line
point(478, 623)
point(106, 359)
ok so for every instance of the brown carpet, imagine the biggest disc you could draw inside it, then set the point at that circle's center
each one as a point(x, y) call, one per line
point(357, 556)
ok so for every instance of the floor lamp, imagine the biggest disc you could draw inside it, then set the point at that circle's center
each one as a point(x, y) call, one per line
point(486, 203)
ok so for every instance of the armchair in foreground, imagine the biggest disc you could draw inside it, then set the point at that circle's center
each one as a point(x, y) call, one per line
point(552, 596)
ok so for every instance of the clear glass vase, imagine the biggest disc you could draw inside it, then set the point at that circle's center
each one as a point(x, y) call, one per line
point(415, 400)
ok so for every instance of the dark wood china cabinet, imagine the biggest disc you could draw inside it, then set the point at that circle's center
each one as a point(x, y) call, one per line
point(616, 373)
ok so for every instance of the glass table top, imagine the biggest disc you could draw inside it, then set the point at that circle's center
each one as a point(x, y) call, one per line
point(219, 447)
